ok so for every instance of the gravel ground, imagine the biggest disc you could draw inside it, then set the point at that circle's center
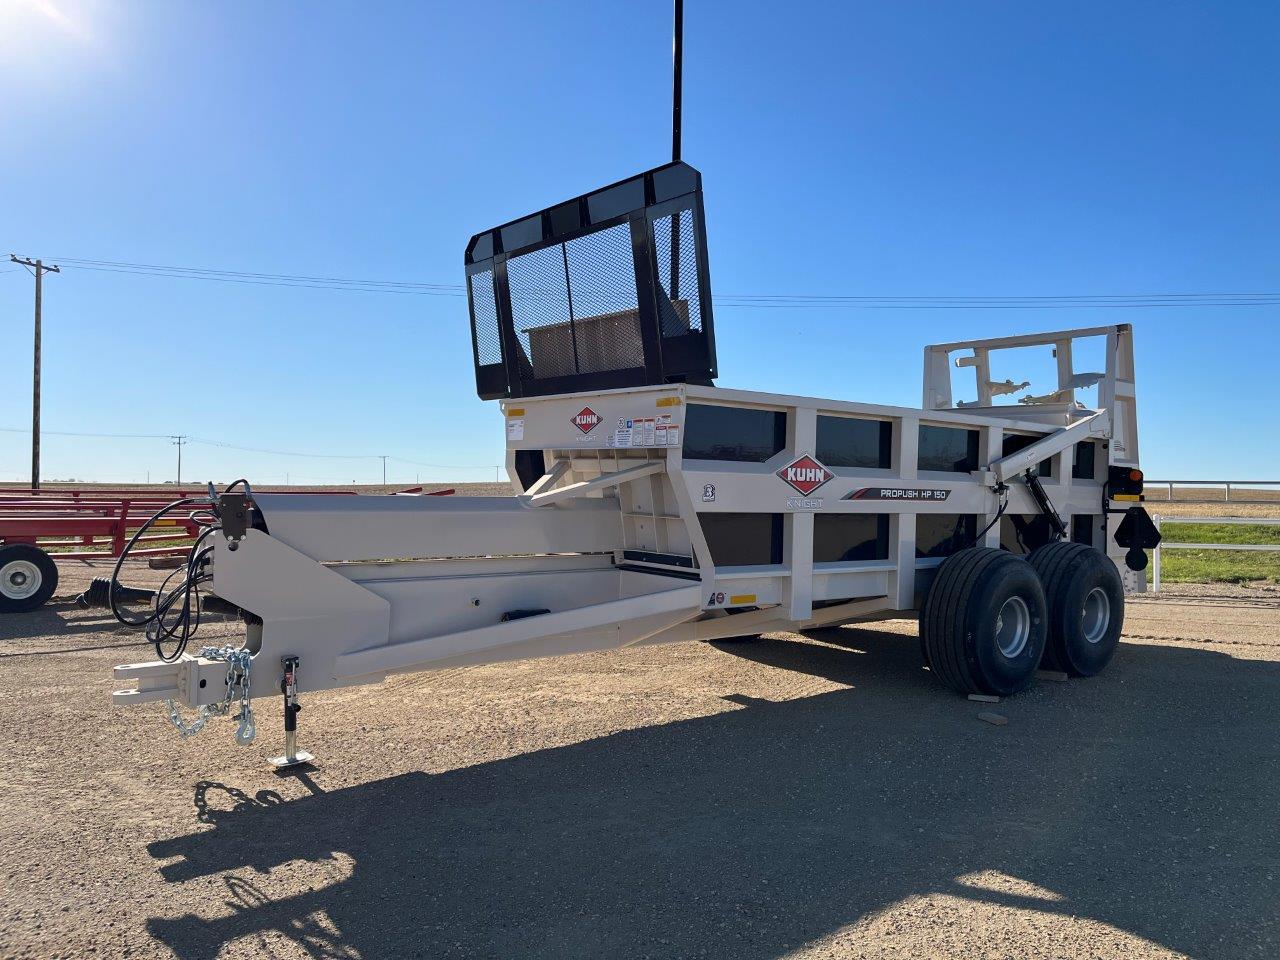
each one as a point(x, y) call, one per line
point(794, 796)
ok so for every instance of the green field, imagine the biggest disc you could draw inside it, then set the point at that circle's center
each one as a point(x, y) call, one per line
point(1221, 566)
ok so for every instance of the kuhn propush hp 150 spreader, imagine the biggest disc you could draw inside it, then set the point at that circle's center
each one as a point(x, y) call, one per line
point(656, 507)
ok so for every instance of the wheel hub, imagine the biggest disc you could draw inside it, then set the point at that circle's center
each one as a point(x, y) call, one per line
point(1095, 618)
point(20, 579)
point(1013, 627)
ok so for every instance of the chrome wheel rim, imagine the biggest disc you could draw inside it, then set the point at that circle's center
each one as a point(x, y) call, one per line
point(1013, 627)
point(20, 579)
point(1095, 618)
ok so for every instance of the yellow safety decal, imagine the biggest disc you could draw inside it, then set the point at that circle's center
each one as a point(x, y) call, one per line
point(515, 411)
point(668, 401)
point(743, 598)
point(1126, 496)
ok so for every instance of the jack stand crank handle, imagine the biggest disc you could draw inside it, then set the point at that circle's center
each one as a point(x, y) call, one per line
point(289, 687)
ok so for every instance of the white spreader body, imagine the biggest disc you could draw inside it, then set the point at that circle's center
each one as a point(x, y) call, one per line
point(641, 525)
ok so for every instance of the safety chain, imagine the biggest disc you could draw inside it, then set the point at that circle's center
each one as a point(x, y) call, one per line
point(238, 661)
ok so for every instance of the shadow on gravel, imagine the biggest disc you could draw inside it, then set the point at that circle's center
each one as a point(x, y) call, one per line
point(59, 619)
point(1145, 800)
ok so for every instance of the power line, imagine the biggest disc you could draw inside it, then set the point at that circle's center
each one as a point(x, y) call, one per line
point(264, 276)
point(352, 286)
point(733, 300)
point(285, 453)
point(187, 440)
point(68, 433)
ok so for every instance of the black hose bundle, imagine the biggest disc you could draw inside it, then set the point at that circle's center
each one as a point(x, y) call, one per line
point(175, 613)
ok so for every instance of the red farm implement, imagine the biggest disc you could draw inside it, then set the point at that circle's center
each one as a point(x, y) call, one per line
point(39, 527)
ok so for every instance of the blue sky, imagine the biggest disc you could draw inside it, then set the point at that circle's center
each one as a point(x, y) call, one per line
point(894, 148)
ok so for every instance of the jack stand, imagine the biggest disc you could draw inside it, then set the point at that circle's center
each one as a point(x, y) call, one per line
point(289, 687)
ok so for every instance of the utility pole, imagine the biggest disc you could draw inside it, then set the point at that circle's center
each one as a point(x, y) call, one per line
point(178, 442)
point(39, 269)
point(384, 470)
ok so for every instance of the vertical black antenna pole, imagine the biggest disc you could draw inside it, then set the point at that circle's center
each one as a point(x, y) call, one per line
point(677, 56)
point(677, 85)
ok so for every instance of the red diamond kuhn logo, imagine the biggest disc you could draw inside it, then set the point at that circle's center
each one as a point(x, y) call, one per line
point(805, 475)
point(586, 419)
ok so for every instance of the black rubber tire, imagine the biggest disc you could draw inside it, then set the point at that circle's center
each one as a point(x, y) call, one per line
point(958, 622)
point(10, 554)
point(1069, 573)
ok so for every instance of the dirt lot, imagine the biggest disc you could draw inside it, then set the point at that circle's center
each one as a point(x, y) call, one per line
point(798, 797)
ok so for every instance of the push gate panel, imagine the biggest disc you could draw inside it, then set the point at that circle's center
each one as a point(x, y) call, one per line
point(610, 289)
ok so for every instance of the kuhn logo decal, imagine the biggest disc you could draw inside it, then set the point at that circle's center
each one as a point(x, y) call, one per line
point(586, 419)
point(805, 475)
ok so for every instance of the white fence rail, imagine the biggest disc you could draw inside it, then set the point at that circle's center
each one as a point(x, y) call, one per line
point(1231, 490)
point(1166, 545)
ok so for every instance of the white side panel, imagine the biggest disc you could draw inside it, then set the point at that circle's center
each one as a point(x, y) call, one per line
point(373, 528)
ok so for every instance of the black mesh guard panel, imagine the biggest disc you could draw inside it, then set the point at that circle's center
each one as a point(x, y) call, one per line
point(610, 289)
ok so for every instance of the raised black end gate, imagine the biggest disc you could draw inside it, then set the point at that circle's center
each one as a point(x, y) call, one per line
point(610, 289)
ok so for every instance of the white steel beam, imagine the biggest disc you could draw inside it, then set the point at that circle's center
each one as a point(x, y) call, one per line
point(606, 625)
point(548, 479)
point(1016, 464)
point(582, 487)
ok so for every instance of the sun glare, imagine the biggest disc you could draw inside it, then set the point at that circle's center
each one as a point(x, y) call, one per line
point(37, 33)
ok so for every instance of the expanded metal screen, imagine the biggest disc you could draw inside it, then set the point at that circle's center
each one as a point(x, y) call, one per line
point(607, 290)
point(484, 318)
point(679, 306)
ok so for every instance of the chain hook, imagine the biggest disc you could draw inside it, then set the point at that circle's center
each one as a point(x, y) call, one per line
point(238, 661)
point(248, 727)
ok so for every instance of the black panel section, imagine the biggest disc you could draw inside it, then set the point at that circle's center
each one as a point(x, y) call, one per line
point(942, 534)
point(610, 289)
point(850, 442)
point(654, 571)
point(670, 559)
point(743, 539)
point(1082, 527)
point(480, 248)
point(947, 448)
point(523, 614)
point(674, 180)
point(1084, 465)
point(733, 433)
point(845, 537)
point(616, 201)
point(530, 466)
point(522, 233)
point(1023, 534)
point(1013, 442)
point(567, 218)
